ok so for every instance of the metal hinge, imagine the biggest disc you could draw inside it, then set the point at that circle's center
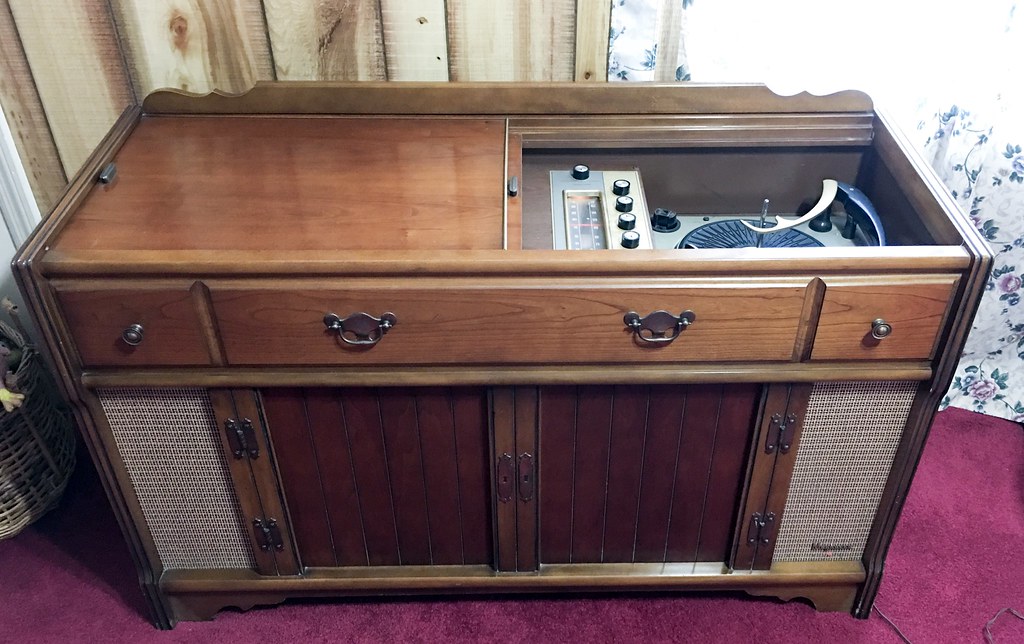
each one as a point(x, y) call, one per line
point(762, 526)
point(268, 535)
point(242, 437)
point(780, 433)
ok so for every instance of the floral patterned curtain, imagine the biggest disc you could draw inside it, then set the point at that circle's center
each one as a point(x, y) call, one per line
point(951, 85)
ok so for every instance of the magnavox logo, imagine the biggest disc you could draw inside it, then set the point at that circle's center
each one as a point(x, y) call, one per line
point(828, 547)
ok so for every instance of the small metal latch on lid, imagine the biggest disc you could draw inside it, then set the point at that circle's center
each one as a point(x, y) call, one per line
point(108, 173)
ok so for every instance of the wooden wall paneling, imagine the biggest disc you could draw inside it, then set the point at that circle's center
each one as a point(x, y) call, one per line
point(670, 26)
point(593, 22)
point(194, 45)
point(506, 40)
point(336, 40)
point(72, 49)
point(24, 112)
point(415, 39)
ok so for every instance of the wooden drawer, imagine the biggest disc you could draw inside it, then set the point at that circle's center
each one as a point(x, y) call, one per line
point(511, 321)
point(914, 306)
point(97, 315)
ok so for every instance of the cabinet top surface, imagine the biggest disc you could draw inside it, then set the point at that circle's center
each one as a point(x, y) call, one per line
point(303, 184)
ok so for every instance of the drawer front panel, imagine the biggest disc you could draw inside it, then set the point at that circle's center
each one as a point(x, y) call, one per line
point(913, 307)
point(512, 323)
point(171, 331)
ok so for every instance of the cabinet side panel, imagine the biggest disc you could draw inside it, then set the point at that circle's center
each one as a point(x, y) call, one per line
point(168, 439)
point(849, 439)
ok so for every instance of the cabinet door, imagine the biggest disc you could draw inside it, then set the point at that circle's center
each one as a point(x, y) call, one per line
point(632, 474)
point(384, 477)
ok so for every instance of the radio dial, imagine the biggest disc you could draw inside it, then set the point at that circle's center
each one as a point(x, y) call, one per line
point(664, 221)
point(627, 221)
point(624, 204)
point(620, 187)
point(630, 239)
point(580, 172)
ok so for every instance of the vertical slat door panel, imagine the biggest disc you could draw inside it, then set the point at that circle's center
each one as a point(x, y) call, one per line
point(401, 474)
point(334, 465)
point(366, 439)
point(703, 403)
point(469, 407)
point(641, 474)
point(661, 460)
point(625, 469)
point(557, 460)
point(435, 412)
point(736, 417)
point(590, 479)
point(295, 451)
point(400, 431)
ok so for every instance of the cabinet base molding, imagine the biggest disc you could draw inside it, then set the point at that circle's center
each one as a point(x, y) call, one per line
point(199, 595)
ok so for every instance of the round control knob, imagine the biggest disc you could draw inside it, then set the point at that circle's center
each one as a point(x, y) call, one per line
point(664, 221)
point(624, 204)
point(132, 336)
point(620, 187)
point(580, 172)
point(627, 221)
point(630, 239)
point(880, 329)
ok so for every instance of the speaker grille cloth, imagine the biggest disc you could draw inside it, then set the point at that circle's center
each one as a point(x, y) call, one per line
point(169, 443)
point(847, 446)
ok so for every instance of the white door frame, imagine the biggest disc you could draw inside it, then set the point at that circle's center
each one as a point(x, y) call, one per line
point(17, 204)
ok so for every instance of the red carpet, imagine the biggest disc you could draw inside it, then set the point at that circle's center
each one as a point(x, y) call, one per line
point(956, 560)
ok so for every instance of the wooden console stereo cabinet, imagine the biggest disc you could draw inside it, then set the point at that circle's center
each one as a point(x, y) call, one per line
point(338, 340)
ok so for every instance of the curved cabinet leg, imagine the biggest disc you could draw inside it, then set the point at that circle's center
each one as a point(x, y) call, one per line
point(829, 598)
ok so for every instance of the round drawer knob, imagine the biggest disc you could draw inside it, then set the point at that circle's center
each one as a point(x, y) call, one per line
point(880, 329)
point(132, 336)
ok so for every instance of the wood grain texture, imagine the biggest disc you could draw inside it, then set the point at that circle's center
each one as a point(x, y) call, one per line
point(23, 110)
point(507, 322)
point(593, 21)
point(506, 40)
point(301, 183)
point(336, 40)
point(915, 306)
point(669, 39)
point(72, 49)
point(415, 39)
point(173, 332)
point(197, 46)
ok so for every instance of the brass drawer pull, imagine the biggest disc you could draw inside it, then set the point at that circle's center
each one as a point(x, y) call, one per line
point(660, 327)
point(360, 329)
point(132, 336)
point(880, 329)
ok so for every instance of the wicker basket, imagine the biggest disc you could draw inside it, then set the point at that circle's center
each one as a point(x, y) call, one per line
point(37, 444)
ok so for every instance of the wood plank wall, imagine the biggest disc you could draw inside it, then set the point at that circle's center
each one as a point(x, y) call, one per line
point(68, 68)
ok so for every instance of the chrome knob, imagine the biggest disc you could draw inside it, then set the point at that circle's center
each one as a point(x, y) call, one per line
point(880, 329)
point(132, 336)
